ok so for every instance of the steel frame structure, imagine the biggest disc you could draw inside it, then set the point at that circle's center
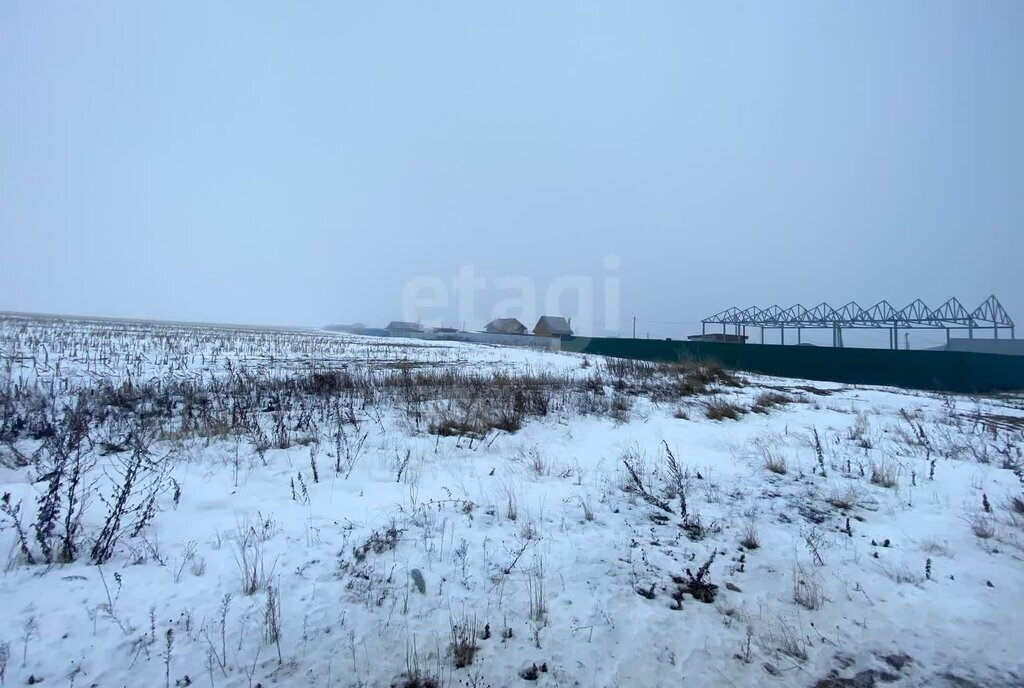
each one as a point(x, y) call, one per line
point(951, 315)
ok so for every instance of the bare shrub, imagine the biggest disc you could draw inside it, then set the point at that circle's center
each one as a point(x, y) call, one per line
point(696, 529)
point(463, 644)
point(635, 482)
point(678, 478)
point(13, 512)
point(272, 620)
point(62, 462)
point(819, 450)
point(698, 585)
point(187, 558)
point(746, 653)
point(133, 503)
point(65, 464)
point(378, 542)
point(249, 552)
point(815, 541)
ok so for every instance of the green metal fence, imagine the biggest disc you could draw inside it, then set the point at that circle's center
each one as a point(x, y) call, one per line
point(949, 371)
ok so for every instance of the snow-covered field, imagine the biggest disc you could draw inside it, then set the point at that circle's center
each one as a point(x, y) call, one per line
point(241, 507)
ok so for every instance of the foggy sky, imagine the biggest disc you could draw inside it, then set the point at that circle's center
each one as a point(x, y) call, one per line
point(299, 163)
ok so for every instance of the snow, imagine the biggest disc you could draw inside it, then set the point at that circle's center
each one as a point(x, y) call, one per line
point(347, 622)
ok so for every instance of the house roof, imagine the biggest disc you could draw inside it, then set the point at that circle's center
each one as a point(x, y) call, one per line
point(506, 325)
point(400, 325)
point(718, 337)
point(554, 324)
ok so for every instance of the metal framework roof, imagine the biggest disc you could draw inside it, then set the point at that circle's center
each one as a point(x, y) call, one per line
point(917, 314)
point(951, 315)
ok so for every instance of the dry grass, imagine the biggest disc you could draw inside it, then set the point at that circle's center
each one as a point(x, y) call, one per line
point(750, 537)
point(718, 408)
point(902, 575)
point(935, 547)
point(765, 401)
point(668, 381)
point(807, 589)
point(619, 408)
point(774, 461)
point(463, 644)
point(785, 638)
point(883, 474)
point(843, 498)
point(982, 527)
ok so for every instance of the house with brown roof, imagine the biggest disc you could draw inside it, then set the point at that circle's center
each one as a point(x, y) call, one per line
point(552, 326)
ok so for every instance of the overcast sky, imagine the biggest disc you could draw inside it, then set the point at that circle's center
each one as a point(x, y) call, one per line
point(302, 163)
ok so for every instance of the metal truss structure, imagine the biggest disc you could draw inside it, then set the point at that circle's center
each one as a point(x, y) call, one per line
point(951, 315)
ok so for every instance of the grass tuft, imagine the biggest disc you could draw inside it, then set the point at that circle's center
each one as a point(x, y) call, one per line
point(718, 408)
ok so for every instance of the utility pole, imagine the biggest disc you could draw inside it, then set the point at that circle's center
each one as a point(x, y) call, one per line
point(634, 327)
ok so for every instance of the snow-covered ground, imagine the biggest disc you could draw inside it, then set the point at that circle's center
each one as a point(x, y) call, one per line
point(311, 509)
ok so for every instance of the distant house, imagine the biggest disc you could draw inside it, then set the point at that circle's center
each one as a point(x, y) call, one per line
point(356, 328)
point(505, 326)
point(444, 330)
point(399, 327)
point(552, 326)
point(719, 337)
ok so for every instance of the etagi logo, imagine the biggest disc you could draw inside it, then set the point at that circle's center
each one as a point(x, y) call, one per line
point(428, 298)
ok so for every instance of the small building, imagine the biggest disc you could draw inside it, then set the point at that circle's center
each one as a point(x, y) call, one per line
point(399, 327)
point(719, 337)
point(1006, 347)
point(505, 326)
point(552, 326)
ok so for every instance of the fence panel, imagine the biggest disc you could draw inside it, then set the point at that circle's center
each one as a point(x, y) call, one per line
point(949, 371)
